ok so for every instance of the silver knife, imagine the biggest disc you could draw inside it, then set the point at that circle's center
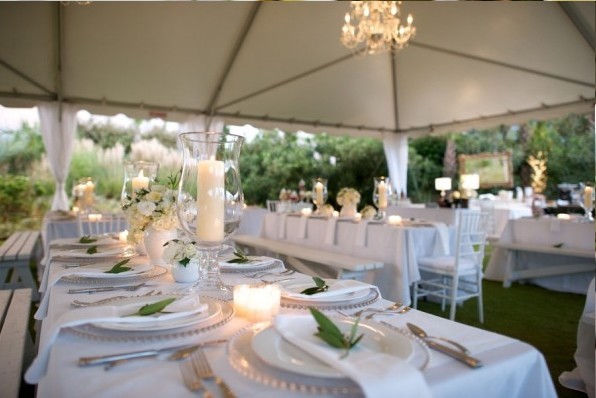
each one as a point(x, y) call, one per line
point(105, 288)
point(103, 359)
point(460, 356)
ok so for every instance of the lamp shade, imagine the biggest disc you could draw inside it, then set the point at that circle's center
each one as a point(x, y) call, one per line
point(443, 184)
point(470, 181)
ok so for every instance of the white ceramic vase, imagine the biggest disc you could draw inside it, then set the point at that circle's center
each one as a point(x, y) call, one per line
point(154, 241)
point(185, 273)
point(348, 210)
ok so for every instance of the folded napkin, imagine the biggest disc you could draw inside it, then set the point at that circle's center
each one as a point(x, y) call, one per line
point(102, 251)
point(183, 306)
point(361, 233)
point(255, 261)
point(331, 230)
point(336, 288)
point(96, 270)
point(443, 235)
point(378, 374)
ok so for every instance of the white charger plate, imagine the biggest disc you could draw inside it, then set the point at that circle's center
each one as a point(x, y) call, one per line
point(271, 347)
point(102, 251)
point(257, 262)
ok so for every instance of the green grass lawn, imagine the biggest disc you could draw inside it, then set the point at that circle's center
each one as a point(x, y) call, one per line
point(545, 319)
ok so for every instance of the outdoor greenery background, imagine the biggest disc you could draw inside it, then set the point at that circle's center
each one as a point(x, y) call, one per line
point(274, 160)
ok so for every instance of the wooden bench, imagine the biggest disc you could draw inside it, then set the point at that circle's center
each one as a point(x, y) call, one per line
point(15, 340)
point(16, 254)
point(513, 250)
point(325, 264)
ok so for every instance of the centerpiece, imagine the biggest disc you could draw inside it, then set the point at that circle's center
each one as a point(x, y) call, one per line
point(348, 199)
point(181, 254)
point(152, 217)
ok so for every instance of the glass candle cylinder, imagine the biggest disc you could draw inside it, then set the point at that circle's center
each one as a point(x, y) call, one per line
point(137, 175)
point(257, 303)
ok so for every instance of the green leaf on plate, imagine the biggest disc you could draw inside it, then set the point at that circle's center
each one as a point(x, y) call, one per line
point(87, 239)
point(332, 335)
point(321, 286)
point(92, 250)
point(119, 267)
point(150, 309)
point(241, 258)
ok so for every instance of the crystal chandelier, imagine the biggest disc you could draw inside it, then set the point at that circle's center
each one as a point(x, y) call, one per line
point(378, 25)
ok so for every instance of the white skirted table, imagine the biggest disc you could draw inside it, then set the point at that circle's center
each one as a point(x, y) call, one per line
point(550, 252)
point(511, 368)
point(398, 247)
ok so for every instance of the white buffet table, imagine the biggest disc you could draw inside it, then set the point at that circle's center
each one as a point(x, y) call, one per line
point(398, 247)
point(511, 368)
point(550, 233)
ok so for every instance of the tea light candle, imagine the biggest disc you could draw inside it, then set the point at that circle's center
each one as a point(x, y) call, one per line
point(382, 195)
point(123, 236)
point(394, 220)
point(563, 216)
point(257, 303)
point(139, 182)
point(88, 195)
point(210, 200)
point(306, 212)
point(75, 209)
point(357, 217)
point(94, 217)
point(335, 213)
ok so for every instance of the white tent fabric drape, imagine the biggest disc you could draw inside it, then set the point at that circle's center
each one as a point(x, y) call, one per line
point(58, 135)
point(198, 123)
point(396, 152)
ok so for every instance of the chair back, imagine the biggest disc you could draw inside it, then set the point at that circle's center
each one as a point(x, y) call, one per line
point(272, 205)
point(488, 206)
point(101, 223)
point(470, 240)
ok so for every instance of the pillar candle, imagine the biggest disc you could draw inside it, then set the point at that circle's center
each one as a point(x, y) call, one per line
point(88, 195)
point(210, 200)
point(588, 191)
point(319, 193)
point(139, 182)
point(382, 195)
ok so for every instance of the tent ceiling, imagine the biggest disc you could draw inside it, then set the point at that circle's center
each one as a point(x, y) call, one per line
point(280, 64)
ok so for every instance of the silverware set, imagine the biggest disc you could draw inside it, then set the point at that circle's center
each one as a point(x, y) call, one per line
point(84, 304)
point(197, 371)
point(90, 290)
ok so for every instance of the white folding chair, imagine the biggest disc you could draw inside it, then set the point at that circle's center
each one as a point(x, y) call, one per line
point(95, 224)
point(458, 277)
point(488, 206)
point(272, 205)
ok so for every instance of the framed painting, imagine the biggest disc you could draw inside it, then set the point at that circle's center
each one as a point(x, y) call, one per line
point(494, 169)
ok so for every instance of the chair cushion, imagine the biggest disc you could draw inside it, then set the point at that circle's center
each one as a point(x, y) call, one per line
point(446, 263)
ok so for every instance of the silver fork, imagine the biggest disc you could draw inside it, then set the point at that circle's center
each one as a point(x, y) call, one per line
point(83, 304)
point(263, 273)
point(204, 371)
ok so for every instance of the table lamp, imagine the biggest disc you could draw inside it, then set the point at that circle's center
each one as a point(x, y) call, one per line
point(470, 183)
point(443, 184)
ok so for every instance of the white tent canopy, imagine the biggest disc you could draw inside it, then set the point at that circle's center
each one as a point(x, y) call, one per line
point(281, 65)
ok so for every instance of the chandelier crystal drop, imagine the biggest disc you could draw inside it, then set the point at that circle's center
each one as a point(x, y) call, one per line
point(378, 25)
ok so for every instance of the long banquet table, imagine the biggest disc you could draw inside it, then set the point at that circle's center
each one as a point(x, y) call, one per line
point(398, 247)
point(511, 368)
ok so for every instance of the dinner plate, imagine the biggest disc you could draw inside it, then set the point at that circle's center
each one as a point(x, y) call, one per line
point(122, 278)
point(273, 349)
point(257, 262)
point(169, 321)
point(372, 296)
point(296, 286)
point(220, 313)
point(75, 242)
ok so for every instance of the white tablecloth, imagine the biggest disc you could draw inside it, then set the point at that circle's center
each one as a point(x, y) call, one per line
point(397, 247)
point(547, 231)
point(511, 368)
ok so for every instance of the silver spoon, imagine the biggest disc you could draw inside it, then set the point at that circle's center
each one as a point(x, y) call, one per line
point(422, 334)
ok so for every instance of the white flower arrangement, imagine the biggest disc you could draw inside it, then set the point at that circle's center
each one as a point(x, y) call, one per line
point(284, 194)
point(348, 196)
point(327, 210)
point(368, 212)
point(181, 251)
point(153, 207)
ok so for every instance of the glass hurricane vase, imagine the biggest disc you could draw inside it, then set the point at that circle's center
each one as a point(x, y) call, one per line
point(587, 201)
point(381, 195)
point(210, 198)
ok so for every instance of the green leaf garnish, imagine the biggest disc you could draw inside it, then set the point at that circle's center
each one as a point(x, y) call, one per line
point(150, 309)
point(240, 258)
point(558, 245)
point(321, 286)
point(332, 335)
point(92, 250)
point(87, 239)
point(118, 268)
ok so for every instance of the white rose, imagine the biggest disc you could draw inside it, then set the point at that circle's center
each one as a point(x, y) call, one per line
point(146, 208)
point(170, 251)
